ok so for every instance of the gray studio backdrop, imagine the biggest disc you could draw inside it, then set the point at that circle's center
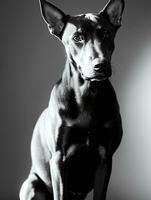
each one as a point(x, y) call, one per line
point(31, 61)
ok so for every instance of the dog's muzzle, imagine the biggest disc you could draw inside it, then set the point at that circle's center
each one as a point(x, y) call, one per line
point(102, 70)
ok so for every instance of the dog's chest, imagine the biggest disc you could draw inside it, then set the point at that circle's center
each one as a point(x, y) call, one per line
point(97, 104)
point(83, 120)
point(79, 120)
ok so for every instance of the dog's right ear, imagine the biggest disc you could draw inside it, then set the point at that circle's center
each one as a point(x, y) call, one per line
point(113, 12)
point(54, 18)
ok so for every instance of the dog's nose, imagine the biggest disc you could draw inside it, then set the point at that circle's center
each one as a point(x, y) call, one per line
point(100, 66)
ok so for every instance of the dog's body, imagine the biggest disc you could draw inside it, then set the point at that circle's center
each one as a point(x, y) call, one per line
point(76, 136)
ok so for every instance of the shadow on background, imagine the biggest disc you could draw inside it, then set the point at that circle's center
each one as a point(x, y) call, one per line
point(29, 67)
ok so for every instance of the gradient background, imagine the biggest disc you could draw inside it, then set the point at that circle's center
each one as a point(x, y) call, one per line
point(31, 62)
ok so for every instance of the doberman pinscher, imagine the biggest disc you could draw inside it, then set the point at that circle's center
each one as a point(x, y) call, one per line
point(76, 136)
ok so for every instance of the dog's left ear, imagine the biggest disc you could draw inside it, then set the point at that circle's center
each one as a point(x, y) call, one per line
point(113, 12)
point(54, 18)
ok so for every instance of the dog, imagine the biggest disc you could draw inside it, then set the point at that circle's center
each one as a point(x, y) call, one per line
point(77, 134)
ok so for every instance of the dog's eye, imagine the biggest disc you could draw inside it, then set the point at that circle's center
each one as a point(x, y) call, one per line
point(78, 38)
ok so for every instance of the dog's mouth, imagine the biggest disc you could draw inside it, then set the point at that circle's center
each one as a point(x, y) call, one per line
point(101, 74)
point(98, 77)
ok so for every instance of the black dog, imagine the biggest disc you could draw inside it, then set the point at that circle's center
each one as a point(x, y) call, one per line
point(76, 136)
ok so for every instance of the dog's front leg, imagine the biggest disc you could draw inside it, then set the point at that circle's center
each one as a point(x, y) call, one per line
point(102, 177)
point(57, 176)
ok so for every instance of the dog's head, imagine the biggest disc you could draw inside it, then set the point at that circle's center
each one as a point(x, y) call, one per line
point(88, 38)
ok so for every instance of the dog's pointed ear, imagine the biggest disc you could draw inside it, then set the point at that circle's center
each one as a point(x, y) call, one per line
point(113, 12)
point(54, 18)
